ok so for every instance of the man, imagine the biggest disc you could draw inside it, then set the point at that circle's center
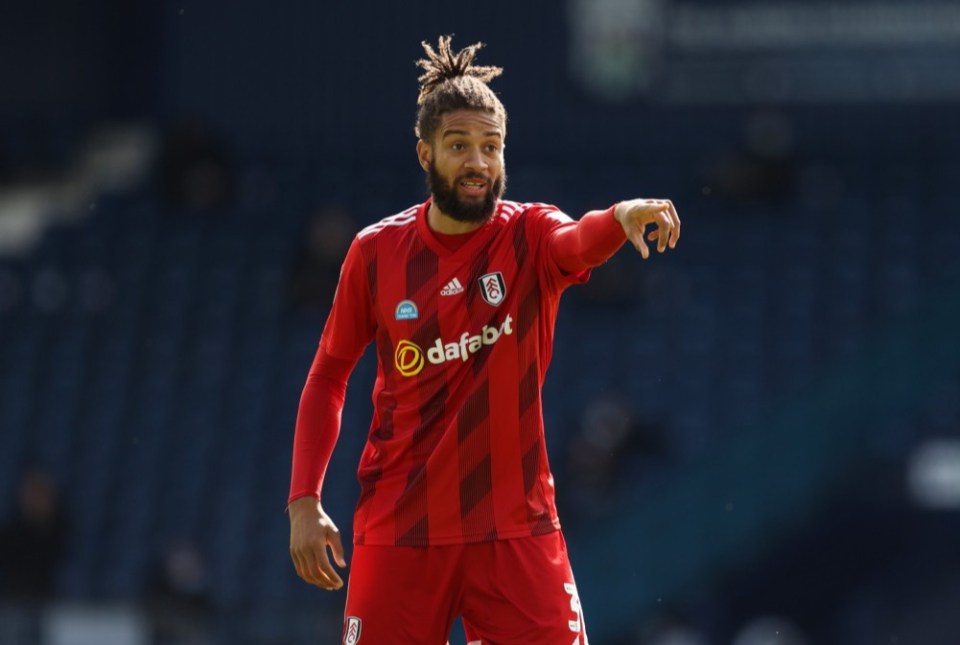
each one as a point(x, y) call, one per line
point(456, 514)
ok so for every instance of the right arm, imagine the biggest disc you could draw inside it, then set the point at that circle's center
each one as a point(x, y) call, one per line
point(317, 429)
point(349, 328)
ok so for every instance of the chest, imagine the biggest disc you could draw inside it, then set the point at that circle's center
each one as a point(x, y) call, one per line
point(475, 292)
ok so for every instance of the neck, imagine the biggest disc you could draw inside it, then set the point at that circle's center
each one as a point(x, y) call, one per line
point(443, 223)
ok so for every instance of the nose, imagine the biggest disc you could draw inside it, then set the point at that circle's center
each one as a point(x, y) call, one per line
point(475, 160)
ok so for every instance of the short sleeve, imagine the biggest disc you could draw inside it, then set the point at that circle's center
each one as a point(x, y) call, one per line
point(351, 324)
point(542, 221)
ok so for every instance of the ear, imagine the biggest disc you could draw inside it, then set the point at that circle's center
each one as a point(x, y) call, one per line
point(424, 154)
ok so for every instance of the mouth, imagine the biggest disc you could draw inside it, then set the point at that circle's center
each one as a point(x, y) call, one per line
point(473, 186)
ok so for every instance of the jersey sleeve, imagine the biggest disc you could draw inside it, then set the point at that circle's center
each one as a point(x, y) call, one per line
point(318, 423)
point(568, 249)
point(351, 324)
point(349, 329)
point(587, 243)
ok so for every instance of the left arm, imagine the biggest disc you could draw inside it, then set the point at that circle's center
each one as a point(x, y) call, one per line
point(593, 239)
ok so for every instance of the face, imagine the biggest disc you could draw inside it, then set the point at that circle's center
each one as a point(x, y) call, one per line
point(464, 165)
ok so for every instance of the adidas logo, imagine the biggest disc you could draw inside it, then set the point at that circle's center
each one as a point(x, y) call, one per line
point(453, 288)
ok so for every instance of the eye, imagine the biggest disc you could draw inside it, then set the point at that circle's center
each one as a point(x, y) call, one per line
point(456, 146)
point(492, 147)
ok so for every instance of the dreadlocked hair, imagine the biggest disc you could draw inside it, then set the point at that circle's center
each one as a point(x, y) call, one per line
point(450, 81)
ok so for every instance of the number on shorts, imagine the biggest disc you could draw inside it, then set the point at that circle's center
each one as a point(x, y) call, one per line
point(576, 624)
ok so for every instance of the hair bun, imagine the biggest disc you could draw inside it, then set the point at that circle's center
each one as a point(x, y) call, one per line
point(444, 64)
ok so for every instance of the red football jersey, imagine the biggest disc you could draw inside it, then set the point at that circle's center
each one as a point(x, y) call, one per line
point(456, 449)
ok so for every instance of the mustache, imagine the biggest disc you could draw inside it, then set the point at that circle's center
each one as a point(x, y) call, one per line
point(473, 175)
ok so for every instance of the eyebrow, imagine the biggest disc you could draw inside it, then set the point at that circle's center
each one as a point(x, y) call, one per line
point(464, 133)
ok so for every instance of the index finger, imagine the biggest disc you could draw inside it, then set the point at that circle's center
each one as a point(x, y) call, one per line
point(675, 233)
point(664, 221)
point(332, 580)
point(323, 563)
point(308, 570)
point(318, 569)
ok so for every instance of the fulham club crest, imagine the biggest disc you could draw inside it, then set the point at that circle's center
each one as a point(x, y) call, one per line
point(351, 633)
point(493, 288)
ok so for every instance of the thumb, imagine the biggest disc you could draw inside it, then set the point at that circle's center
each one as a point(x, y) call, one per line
point(636, 236)
point(336, 547)
point(634, 233)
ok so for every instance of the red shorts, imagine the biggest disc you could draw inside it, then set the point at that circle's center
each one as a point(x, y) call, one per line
point(508, 592)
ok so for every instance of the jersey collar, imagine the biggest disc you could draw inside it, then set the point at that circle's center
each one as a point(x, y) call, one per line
point(476, 240)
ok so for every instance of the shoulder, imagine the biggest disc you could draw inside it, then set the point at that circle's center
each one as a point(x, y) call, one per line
point(533, 214)
point(390, 224)
point(511, 211)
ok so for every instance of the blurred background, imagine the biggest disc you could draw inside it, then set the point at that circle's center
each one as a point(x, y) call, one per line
point(756, 437)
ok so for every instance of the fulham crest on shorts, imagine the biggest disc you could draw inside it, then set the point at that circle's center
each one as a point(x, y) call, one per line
point(351, 633)
point(492, 288)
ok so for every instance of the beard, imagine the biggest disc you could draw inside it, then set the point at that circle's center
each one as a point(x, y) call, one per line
point(445, 196)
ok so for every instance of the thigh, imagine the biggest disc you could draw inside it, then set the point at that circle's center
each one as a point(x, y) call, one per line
point(401, 595)
point(522, 592)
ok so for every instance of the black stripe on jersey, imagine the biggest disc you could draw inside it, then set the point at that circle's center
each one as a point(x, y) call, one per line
point(530, 442)
point(476, 479)
point(531, 468)
point(538, 510)
point(478, 267)
point(413, 505)
point(529, 309)
point(475, 487)
point(372, 270)
point(521, 247)
point(529, 388)
point(528, 312)
point(421, 270)
point(476, 410)
point(418, 534)
point(411, 515)
point(543, 525)
point(385, 352)
point(370, 477)
point(482, 314)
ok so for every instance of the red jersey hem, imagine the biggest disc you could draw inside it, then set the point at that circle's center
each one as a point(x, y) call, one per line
point(462, 539)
